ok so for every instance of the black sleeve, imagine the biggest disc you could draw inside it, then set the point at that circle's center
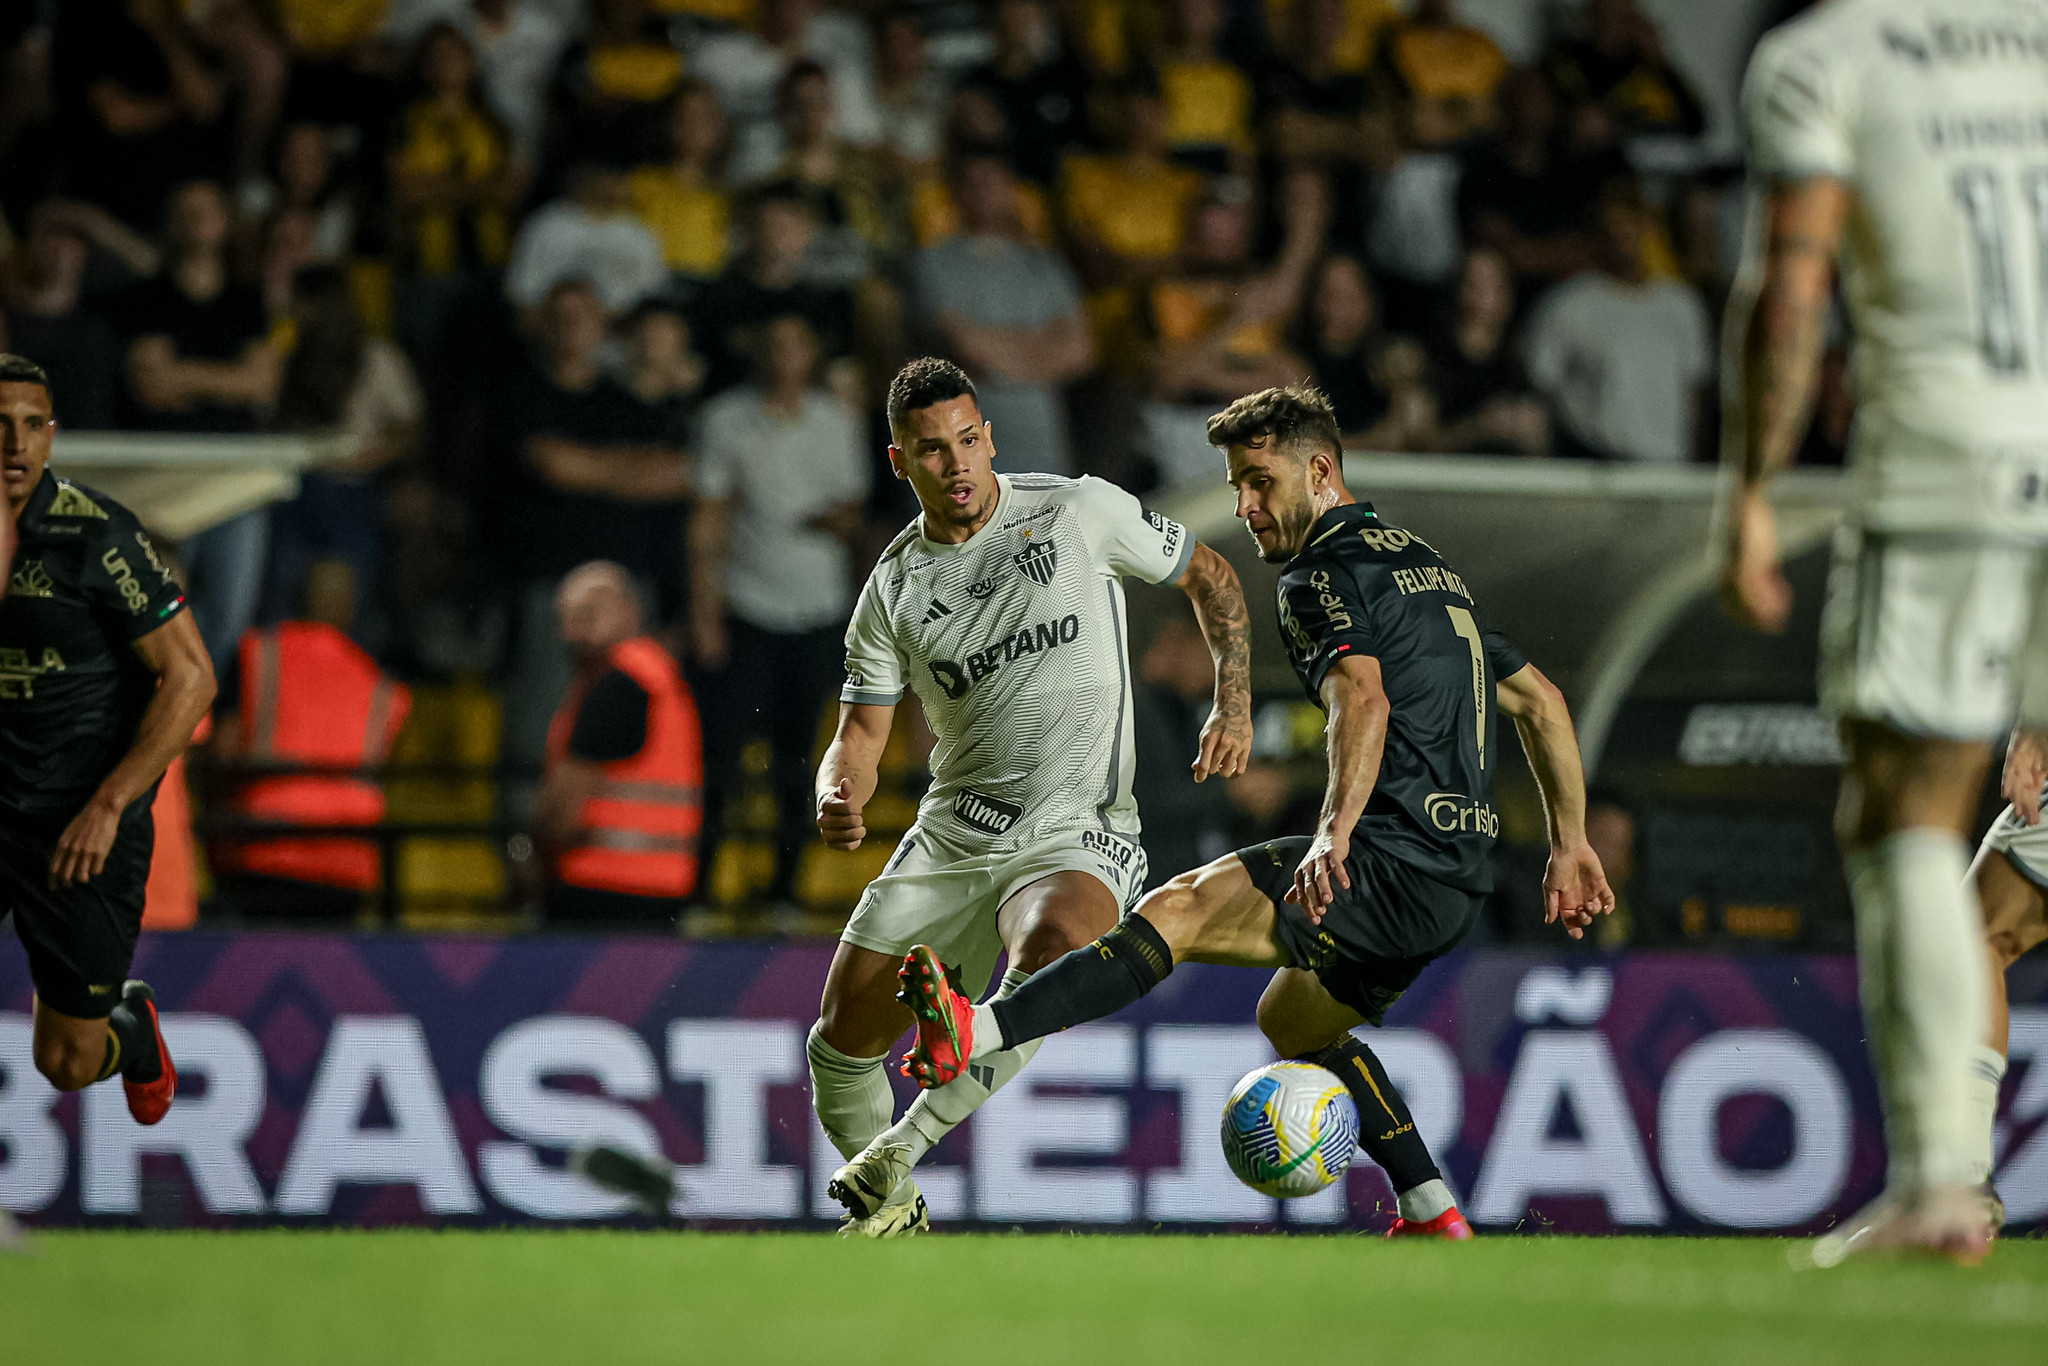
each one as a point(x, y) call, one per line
point(612, 723)
point(126, 578)
point(1503, 658)
point(1325, 613)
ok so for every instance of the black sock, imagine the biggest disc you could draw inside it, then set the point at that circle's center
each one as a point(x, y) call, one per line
point(1385, 1129)
point(1093, 981)
point(132, 1045)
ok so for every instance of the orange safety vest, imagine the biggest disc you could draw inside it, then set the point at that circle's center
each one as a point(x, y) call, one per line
point(171, 896)
point(640, 829)
point(310, 696)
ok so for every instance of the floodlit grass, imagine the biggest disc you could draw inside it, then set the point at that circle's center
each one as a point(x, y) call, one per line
point(566, 1298)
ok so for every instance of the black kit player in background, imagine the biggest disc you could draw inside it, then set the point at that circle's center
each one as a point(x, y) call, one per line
point(1384, 637)
point(102, 680)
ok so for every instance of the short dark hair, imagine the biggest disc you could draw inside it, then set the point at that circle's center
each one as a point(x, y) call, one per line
point(21, 370)
point(1298, 418)
point(923, 382)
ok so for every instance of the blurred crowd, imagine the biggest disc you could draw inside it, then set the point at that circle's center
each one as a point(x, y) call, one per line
point(623, 280)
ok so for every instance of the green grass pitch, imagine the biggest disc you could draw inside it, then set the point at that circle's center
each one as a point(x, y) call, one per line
point(567, 1298)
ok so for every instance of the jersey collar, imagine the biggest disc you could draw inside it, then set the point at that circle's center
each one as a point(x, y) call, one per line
point(39, 499)
point(1341, 515)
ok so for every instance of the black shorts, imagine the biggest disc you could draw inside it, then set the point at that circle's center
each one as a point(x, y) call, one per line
point(80, 940)
point(1378, 936)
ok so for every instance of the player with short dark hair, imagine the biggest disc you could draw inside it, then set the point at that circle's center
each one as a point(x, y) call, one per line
point(103, 679)
point(1002, 608)
point(1384, 637)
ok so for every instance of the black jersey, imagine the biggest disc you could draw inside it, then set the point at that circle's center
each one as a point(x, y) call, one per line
point(86, 584)
point(1361, 586)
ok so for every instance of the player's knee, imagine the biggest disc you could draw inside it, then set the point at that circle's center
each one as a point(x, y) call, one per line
point(1290, 1035)
point(65, 1065)
point(1051, 939)
point(860, 1030)
point(2008, 946)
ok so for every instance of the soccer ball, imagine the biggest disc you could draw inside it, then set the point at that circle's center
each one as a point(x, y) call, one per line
point(1289, 1129)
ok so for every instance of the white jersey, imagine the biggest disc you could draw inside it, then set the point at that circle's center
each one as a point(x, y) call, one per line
point(1936, 114)
point(1016, 643)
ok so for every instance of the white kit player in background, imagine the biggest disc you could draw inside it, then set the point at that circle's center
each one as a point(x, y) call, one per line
point(1001, 607)
point(1909, 137)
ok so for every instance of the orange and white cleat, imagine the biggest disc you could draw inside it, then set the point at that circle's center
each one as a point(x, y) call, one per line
point(150, 1101)
point(945, 1020)
point(1450, 1226)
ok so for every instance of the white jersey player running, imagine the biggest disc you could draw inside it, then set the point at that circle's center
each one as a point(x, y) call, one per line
point(1001, 607)
point(1911, 138)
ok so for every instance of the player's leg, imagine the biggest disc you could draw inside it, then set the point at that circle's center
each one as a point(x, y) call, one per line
point(1040, 923)
point(1213, 914)
point(2015, 920)
point(858, 1018)
point(89, 1025)
point(1303, 1021)
point(1905, 805)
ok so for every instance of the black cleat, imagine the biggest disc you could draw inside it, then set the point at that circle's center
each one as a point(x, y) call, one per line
point(649, 1180)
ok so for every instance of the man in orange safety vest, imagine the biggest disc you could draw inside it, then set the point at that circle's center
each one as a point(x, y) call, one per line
point(621, 806)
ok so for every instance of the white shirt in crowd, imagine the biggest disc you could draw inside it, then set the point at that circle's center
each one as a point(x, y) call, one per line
point(777, 473)
point(565, 241)
point(1622, 363)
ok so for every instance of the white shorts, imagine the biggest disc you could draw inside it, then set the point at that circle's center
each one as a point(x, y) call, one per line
point(2025, 845)
point(932, 894)
point(1927, 632)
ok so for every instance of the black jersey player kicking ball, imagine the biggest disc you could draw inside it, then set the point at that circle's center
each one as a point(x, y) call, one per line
point(102, 680)
point(1384, 637)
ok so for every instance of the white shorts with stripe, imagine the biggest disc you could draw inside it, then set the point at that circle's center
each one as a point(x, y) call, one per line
point(1929, 632)
point(948, 898)
point(2025, 845)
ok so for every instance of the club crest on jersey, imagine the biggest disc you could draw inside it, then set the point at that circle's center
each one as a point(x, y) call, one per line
point(1038, 560)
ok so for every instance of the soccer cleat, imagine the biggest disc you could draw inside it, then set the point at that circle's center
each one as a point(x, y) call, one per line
point(945, 1020)
point(1449, 1226)
point(870, 1177)
point(648, 1180)
point(12, 1239)
point(1949, 1222)
point(904, 1219)
point(149, 1101)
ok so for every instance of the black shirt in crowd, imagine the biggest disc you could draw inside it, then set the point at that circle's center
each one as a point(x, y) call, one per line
point(1362, 587)
point(612, 722)
point(1046, 110)
point(86, 584)
point(551, 531)
point(82, 357)
point(728, 316)
point(218, 329)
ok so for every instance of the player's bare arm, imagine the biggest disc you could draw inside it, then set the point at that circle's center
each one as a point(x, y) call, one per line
point(1356, 701)
point(1778, 319)
point(184, 691)
point(2026, 769)
point(1575, 885)
point(1212, 586)
point(846, 778)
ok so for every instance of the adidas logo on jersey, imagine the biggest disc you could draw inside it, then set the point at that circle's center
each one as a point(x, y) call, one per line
point(32, 580)
point(936, 611)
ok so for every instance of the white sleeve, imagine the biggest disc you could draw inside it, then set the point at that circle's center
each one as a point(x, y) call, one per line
point(874, 665)
point(536, 261)
point(1797, 105)
point(1543, 345)
point(715, 455)
point(1128, 539)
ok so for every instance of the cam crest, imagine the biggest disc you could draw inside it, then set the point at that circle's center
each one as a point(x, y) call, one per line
point(1037, 561)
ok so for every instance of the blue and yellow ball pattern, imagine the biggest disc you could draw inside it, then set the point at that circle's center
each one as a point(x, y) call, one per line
point(1290, 1129)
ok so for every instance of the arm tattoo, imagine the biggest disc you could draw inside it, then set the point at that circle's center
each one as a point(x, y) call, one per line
point(1226, 625)
point(1781, 359)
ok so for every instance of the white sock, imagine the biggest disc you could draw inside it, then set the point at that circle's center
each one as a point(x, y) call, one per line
point(937, 1112)
point(1987, 1071)
point(1425, 1202)
point(988, 1035)
point(1920, 939)
point(851, 1095)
